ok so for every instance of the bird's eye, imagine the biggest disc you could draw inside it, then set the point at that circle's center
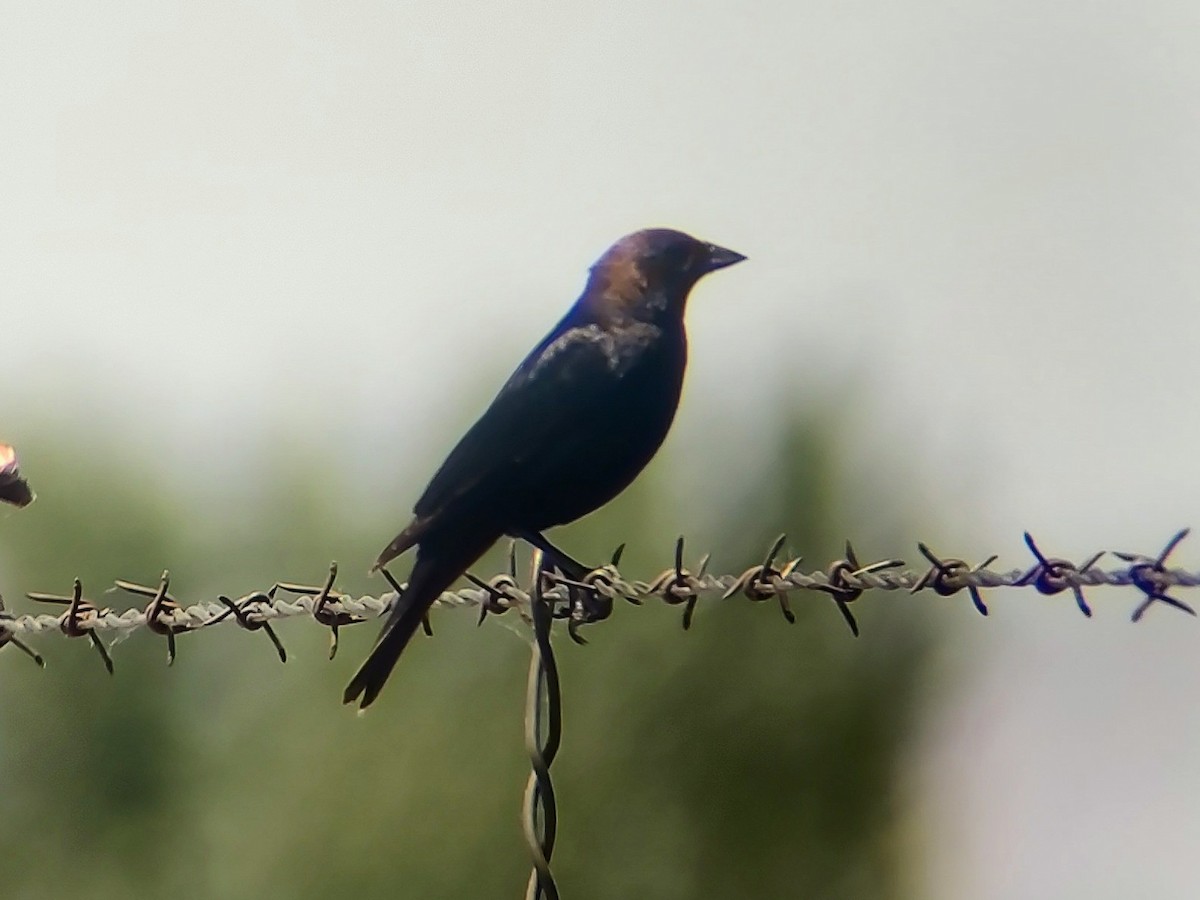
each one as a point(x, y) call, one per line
point(675, 257)
point(689, 257)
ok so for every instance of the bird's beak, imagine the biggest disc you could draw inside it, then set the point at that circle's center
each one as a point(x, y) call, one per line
point(720, 258)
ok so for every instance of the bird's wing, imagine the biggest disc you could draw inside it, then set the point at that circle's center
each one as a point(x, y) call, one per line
point(559, 387)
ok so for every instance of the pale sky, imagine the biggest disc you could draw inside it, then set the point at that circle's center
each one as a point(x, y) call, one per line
point(984, 215)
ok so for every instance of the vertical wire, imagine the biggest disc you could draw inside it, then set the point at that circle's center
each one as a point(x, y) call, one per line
point(543, 734)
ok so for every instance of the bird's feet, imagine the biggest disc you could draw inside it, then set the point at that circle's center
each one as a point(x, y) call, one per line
point(585, 604)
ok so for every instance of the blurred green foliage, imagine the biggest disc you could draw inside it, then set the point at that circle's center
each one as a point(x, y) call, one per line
point(745, 758)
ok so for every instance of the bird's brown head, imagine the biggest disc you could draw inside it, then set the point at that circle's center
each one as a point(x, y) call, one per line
point(649, 273)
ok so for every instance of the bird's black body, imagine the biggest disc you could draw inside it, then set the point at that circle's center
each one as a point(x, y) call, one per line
point(571, 428)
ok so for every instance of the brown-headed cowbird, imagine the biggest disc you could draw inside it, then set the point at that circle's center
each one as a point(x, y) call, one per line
point(569, 430)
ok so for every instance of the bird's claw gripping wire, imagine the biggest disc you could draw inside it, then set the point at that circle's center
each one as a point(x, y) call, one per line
point(586, 603)
point(590, 599)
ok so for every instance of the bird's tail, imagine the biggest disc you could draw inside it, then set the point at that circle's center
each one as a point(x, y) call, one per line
point(438, 566)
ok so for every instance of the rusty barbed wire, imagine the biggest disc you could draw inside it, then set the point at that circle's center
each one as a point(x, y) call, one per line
point(78, 621)
point(590, 599)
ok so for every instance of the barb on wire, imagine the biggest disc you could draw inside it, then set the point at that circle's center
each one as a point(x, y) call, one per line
point(949, 576)
point(543, 734)
point(323, 610)
point(1151, 577)
point(842, 571)
point(7, 637)
point(159, 610)
point(677, 585)
point(79, 620)
point(500, 593)
point(240, 610)
point(589, 597)
point(1052, 576)
point(764, 581)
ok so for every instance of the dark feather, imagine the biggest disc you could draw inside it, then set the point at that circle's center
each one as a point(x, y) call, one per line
point(570, 429)
point(438, 565)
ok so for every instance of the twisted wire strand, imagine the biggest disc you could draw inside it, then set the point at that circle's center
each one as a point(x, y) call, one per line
point(842, 581)
point(543, 735)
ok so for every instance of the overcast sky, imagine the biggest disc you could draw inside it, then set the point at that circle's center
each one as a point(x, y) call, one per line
point(985, 215)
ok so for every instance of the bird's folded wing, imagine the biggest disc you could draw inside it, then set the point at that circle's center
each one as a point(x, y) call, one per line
point(548, 401)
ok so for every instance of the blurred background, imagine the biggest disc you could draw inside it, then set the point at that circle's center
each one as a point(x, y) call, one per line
point(260, 265)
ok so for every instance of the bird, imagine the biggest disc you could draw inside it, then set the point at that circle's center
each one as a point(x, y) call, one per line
point(570, 429)
point(13, 488)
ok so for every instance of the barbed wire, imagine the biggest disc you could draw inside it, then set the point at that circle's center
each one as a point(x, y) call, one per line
point(581, 601)
point(585, 600)
point(591, 598)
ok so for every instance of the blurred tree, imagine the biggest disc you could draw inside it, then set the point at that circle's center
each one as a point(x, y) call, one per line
point(744, 758)
point(92, 805)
